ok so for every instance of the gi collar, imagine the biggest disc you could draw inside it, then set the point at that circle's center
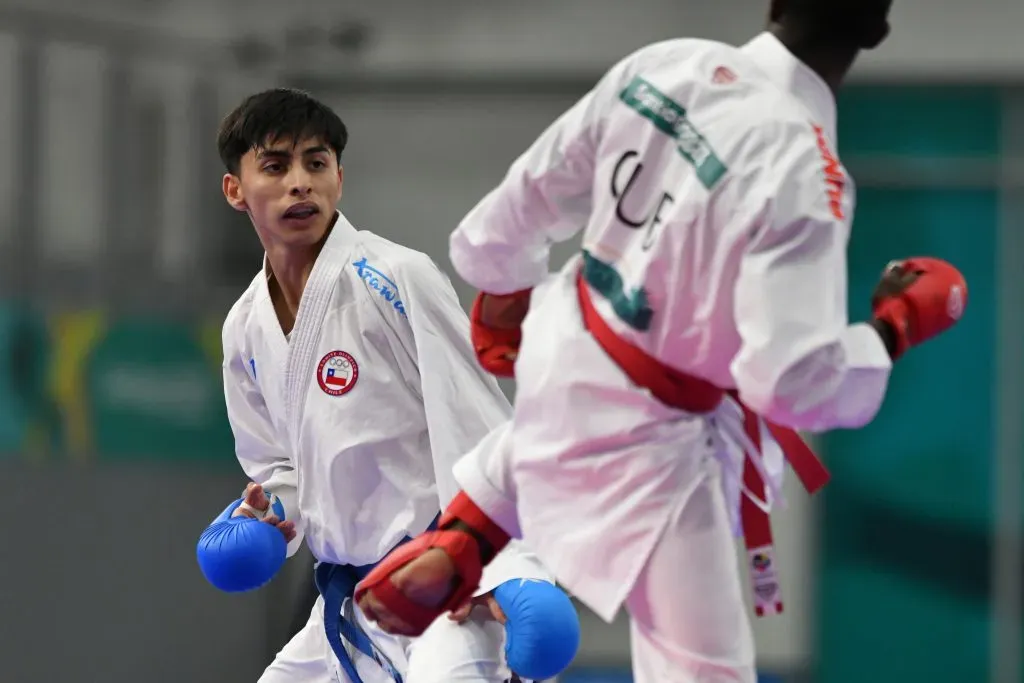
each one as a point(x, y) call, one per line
point(342, 233)
point(795, 77)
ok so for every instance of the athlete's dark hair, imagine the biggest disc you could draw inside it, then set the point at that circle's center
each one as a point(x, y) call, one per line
point(859, 23)
point(273, 115)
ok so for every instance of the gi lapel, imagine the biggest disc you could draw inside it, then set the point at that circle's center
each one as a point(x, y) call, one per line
point(316, 299)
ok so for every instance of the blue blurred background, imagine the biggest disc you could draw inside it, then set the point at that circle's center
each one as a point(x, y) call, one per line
point(119, 258)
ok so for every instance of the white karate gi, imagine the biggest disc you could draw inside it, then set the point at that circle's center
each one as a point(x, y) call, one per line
point(355, 421)
point(716, 219)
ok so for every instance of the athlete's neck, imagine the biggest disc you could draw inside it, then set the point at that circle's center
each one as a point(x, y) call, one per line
point(831, 62)
point(289, 270)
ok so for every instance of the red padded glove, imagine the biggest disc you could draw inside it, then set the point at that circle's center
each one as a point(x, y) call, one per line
point(495, 330)
point(467, 535)
point(919, 298)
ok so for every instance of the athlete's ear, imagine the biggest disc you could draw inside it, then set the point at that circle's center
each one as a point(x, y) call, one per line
point(232, 188)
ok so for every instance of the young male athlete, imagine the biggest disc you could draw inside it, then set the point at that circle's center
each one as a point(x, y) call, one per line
point(352, 389)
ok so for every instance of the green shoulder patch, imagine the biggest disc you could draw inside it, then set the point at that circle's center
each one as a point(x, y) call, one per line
point(669, 117)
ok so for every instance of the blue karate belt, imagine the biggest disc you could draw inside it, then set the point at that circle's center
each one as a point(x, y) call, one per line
point(335, 583)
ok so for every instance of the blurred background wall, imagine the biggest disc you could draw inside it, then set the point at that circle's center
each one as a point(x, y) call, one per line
point(118, 259)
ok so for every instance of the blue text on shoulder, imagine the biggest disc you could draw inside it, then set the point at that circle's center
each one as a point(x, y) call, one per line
point(380, 283)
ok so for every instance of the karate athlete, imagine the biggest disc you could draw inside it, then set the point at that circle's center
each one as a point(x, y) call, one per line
point(352, 389)
point(711, 289)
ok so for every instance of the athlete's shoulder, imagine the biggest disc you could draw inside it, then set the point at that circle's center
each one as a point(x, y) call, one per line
point(673, 51)
point(674, 55)
point(390, 272)
point(782, 134)
point(381, 247)
point(705, 80)
point(241, 313)
point(716, 102)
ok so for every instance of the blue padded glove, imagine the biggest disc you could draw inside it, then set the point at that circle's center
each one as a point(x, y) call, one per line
point(542, 634)
point(239, 554)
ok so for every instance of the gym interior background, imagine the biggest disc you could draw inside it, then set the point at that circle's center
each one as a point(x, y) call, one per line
point(119, 258)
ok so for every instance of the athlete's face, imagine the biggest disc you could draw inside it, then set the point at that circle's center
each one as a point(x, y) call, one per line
point(289, 189)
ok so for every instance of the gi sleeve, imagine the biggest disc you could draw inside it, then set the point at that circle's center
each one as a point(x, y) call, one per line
point(503, 244)
point(800, 363)
point(466, 411)
point(256, 447)
point(485, 474)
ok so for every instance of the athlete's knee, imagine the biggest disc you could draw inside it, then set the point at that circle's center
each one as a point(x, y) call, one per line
point(471, 672)
point(459, 653)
